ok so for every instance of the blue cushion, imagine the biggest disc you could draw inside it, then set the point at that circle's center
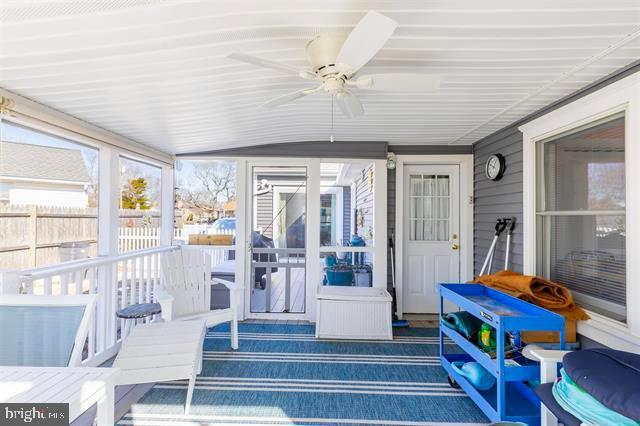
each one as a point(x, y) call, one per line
point(38, 336)
point(611, 377)
point(544, 392)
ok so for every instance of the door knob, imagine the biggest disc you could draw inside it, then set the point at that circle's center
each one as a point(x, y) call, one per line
point(455, 246)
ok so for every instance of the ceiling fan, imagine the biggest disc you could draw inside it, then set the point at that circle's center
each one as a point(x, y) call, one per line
point(335, 60)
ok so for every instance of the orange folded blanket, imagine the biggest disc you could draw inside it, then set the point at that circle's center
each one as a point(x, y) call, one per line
point(536, 290)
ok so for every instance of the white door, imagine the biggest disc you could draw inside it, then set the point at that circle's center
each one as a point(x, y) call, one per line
point(431, 234)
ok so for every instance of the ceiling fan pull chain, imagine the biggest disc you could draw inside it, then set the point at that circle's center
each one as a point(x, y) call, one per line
point(331, 139)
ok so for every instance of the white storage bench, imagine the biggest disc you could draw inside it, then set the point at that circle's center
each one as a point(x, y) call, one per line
point(353, 313)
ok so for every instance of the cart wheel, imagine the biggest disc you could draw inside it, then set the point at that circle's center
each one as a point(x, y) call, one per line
point(452, 382)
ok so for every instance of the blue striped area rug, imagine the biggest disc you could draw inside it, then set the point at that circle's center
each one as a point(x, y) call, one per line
point(282, 375)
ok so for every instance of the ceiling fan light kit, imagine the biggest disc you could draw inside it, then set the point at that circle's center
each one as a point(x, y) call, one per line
point(335, 60)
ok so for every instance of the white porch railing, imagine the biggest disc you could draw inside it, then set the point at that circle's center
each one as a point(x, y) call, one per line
point(265, 259)
point(118, 281)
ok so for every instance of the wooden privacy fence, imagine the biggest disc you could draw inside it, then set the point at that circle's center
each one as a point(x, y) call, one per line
point(30, 236)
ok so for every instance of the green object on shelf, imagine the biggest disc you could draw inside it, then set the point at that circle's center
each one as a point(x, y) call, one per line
point(487, 338)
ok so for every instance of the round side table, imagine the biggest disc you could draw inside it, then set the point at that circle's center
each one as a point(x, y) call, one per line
point(135, 312)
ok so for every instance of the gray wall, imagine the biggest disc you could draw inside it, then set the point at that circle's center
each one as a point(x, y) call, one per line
point(346, 214)
point(264, 213)
point(364, 201)
point(502, 198)
point(391, 220)
point(309, 149)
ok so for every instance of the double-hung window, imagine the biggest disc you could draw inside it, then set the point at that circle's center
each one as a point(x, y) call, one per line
point(581, 214)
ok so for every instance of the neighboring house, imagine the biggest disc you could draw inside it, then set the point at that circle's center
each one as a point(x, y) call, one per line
point(345, 205)
point(26, 179)
point(228, 209)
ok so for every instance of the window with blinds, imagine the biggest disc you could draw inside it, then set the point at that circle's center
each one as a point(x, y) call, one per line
point(580, 210)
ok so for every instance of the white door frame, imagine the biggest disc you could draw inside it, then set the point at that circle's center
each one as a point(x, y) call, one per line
point(312, 239)
point(465, 161)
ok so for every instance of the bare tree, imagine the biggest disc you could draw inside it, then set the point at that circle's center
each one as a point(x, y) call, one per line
point(214, 184)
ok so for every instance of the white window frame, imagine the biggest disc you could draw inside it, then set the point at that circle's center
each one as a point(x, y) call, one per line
point(167, 195)
point(110, 147)
point(242, 243)
point(621, 96)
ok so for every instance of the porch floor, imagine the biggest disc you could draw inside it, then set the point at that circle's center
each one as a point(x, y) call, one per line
point(283, 375)
point(278, 295)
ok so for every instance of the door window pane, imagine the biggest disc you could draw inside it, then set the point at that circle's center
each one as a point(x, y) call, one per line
point(429, 207)
point(581, 215)
point(140, 187)
point(48, 199)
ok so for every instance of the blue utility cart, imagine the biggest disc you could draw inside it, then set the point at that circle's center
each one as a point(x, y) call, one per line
point(510, 399)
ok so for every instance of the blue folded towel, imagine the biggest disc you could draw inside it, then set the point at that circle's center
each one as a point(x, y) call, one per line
point(575, 400)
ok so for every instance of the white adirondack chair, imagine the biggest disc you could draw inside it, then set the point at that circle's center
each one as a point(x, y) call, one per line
point(549, 360)
point(187, 291)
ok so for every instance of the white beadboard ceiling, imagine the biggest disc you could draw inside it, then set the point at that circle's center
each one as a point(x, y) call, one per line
point(157, 71)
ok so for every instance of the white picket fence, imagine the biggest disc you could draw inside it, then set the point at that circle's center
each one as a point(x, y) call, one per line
point(131, 239)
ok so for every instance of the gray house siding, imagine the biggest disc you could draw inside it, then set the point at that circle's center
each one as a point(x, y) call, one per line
point(264, 213)
point(309, 149)
point(504, 198)
point(391, 220)
point(364, 201)
point(346, 214)
point(494, 199)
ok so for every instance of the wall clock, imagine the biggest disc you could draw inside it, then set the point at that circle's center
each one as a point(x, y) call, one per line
point(495, 166)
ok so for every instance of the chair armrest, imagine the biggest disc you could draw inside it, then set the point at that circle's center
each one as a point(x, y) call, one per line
point(549, 360)
point(234, 289)
point(166, 304)
point(228, 284)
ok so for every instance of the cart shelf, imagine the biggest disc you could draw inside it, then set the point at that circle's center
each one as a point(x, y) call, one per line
point(510, 399)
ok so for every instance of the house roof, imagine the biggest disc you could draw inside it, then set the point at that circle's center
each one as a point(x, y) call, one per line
point(25, 161)
point(229, 206)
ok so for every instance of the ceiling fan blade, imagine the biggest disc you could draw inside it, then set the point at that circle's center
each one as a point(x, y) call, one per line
point(349, 104)
point(289, 97)
point(254, 60)
point(364, 41)
point(399, 82)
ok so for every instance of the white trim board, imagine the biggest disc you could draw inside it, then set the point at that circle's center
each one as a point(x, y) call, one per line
point(40, 117)
point(623, 95)
point(465, 161)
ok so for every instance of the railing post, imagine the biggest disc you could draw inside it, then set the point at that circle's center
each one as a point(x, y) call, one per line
point(9, 282)
point(110, 192)
point(167, 206)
